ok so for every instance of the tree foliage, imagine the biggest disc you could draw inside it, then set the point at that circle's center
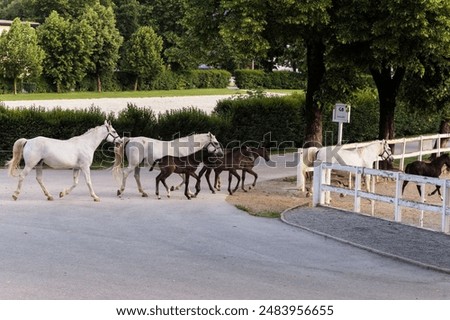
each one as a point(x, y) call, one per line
point(143, 54)
point(107, 40)
point(20, 55)
point(68, 45)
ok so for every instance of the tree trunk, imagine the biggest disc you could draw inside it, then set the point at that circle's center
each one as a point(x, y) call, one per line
point(15, 85)
point(315, 51)
point(99, 83)
point(136, 84)
point(388, 83)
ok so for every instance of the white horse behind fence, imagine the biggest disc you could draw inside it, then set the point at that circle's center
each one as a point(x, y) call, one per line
point(146, 150)
point(359, 157)
point(76, 153)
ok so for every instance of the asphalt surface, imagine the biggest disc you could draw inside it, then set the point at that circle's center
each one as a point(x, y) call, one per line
point(205, 248)
point(425, 248)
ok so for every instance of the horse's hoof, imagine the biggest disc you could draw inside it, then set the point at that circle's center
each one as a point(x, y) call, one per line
point(50, 198)
point(168, 196)
point(172, 188)
point(213, 192)
point(61, 194)
point(119, 193)
point(14, 197)
point(308, 194)
point(144, 195)
point(96, 199)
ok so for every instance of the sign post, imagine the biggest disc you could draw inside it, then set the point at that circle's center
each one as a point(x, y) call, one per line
point(341, 115)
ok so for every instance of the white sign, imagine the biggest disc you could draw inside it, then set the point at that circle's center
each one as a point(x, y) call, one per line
point(341, 113)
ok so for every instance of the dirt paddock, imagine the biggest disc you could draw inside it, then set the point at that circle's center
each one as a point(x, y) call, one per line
point(272, 197)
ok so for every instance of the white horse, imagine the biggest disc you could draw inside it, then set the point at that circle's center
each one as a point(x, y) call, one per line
point(76, 153)
point(146, 150)
point(360, 157)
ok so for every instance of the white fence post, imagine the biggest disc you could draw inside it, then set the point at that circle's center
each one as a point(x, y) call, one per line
point(357, 202)
point(318, 180)
point(445, 224)
point(300, 177)
point(398, 195)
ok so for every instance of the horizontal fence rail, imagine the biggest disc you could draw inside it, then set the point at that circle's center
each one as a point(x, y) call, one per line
point(322, 188)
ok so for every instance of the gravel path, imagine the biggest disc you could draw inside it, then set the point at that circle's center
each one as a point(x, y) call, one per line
point(158, 104)
point(422, 247)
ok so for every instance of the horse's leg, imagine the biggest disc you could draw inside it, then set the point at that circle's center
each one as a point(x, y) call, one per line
point(217, 179)
point(172, 188)
point(22, 176)
point(404, 185)
point(207, 171)
point(76, 175)
point(187, 192)
point(87, 177)
point(234, 173)
point(438, 190)
point(197, 184)
point(255, 175)
point(41, 183)
point(125, 174)
point(158, 179)
point(243, 180)
point(367, 181)
point(137, 177)
point(419, 189)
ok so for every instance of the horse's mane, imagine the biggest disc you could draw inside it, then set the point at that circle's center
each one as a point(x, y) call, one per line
point(86, 133)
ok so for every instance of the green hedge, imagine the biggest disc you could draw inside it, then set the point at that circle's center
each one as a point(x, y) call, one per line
point(254, 79)
point(273, 121)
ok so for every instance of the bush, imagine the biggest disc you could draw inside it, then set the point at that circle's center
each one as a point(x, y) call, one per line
point(134, 121)
point(254, 79)
point(273, 121)
point(179, 123)
point(191, 79)
point(249, 79)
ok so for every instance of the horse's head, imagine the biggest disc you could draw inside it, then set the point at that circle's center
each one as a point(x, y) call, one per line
point(213, 146)
point(112, 135)
point(386, 152)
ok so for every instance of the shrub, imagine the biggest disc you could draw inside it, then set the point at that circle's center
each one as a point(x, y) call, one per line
point(134, 121)
point(173, 124)
point(249, 79)
point(273, 121)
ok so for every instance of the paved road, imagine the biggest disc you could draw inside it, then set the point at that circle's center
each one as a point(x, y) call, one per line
point(142, 248)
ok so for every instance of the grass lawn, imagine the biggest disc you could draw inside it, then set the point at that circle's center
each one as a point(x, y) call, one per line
point(127, 94)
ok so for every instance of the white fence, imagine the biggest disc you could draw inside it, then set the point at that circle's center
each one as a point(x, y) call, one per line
point(403, 148)
point(323, 187)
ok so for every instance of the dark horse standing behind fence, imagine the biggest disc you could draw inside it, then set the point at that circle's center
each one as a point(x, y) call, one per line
point(432, 169)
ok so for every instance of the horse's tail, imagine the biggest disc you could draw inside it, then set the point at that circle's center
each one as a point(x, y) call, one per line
point(154, 164)
point(118, 160)
point(13, 164)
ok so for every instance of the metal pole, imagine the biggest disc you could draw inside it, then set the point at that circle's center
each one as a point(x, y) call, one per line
point(340, 129)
